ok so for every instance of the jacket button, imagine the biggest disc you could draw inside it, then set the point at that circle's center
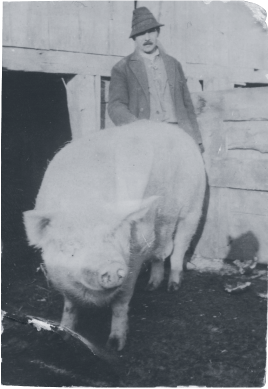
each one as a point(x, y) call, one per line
point(141, 109)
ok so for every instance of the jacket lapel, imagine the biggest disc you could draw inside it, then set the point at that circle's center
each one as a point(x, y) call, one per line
point(171, 72)
point(136, 64)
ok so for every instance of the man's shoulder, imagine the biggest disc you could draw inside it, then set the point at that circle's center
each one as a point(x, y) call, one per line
point(123, 62)
point(170, 58)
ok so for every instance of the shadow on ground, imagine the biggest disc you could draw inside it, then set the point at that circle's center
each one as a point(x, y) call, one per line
point(200, 335)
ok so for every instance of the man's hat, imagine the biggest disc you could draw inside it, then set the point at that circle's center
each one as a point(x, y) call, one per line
point(142, 21)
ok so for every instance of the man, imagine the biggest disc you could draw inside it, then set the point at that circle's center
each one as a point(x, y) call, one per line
point(149, 84)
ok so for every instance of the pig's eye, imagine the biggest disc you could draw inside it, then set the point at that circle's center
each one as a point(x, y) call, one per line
point(70, 248)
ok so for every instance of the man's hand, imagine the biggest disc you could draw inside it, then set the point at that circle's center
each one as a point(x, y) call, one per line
point(202, 149)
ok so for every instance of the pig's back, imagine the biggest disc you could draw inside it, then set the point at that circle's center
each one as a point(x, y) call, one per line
point(145, 157)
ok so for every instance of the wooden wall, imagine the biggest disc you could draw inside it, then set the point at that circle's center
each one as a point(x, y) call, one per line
point(220, 43)
point(234, 126)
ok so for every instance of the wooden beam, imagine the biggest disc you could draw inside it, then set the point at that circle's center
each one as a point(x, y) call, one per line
point(56, 61)
point(49, 61)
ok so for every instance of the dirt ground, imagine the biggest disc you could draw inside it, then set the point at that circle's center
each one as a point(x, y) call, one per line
point(200, 335)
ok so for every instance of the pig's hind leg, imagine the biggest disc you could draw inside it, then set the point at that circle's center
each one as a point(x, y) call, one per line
point(182, 238)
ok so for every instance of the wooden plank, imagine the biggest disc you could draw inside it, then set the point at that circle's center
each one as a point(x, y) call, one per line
point(246, 104)
point(6, 37)
point(83, 92)
point(69, 62)
point(97, 102)
point(178, 37)
point(120, 19)
point(28, 24)
point(239, 215)
point(248, 222)
point(76, 26)
point(57, 61)
point(106, 122)
point(208, 108)
point(37, 25)
point(249, 202)
point(169, 36)
point(94, 20)
point(240, 174)
point(232, 74)
point(63, 25)
point(18, 26)
point(251, 135)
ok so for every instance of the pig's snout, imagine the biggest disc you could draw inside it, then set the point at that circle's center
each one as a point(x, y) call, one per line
point(112, 275)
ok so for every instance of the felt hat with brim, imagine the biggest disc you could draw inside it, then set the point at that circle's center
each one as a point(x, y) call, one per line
point(142, 21)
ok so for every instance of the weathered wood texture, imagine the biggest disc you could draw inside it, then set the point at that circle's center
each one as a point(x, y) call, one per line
point(99, 27)
point(249, 135)
point(35, 60)
point(57, 61)
point(234, 126)
point(219, 43)
point(106, 122)
point(83, 99)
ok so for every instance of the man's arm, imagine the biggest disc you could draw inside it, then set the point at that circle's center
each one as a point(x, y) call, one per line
point(189, 105)
point(118, 98)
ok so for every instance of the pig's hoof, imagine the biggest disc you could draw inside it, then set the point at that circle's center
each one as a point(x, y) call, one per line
point(173, 286)
point(115, 343)
point(151, 286)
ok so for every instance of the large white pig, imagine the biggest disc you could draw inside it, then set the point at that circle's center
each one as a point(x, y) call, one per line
point(109, 202)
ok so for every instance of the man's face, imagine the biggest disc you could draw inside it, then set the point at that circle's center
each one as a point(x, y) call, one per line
point(147, 41)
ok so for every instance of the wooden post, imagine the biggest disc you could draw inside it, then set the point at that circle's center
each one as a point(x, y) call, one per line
point(83, 99)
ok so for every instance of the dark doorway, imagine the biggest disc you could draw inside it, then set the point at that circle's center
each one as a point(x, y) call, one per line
point(35, 124)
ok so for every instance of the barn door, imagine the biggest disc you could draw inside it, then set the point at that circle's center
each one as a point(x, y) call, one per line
point(234, 125)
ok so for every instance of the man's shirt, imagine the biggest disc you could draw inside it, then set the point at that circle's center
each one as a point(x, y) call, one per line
point(161, 104)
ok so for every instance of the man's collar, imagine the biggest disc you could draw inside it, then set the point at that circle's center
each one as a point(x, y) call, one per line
point(137, 56)
point(150, 56)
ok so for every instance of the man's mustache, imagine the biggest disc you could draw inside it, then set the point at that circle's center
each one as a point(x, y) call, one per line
point(148, 43)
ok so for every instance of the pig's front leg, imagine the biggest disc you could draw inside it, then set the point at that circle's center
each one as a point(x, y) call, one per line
point(119, 326)
point(120, 306)
point(69, 316)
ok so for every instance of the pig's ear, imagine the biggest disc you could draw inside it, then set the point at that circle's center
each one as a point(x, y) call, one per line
point(36, 225)
point(137, 209)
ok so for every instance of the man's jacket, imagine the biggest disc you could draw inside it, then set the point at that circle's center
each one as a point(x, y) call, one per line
point(129, 98)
